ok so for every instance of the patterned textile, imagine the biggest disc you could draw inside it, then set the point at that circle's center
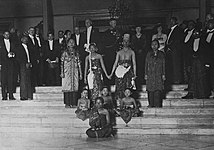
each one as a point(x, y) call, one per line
point(70, 69)
point(155, 69)
point(98, 79)
point(125, 82)
point(99, 127)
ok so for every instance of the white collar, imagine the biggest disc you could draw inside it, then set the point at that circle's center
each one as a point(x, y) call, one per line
point(23, 44)
point(31, 36)
point(210, 30)
point(89, 28)
point(173, 27)
point(6, 39)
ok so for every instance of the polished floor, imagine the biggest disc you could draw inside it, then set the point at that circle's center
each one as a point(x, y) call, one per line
point(123, 142)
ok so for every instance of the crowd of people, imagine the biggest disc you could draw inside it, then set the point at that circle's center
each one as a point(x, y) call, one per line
point(94, 60)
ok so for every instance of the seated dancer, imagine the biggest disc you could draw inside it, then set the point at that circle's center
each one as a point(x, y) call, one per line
point(125, 65)
point(94, 66)
point(198, 86)
point(128, 107)
point(108, 104)
point(155, 75)
point(83, 106)
point(99, 121)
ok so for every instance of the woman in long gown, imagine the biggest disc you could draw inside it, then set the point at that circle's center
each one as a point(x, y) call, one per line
point(126, 70)
point(94, 66)
point(71, 74)
point(99, 121)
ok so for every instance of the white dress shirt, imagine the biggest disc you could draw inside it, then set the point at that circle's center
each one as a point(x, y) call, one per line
point(189, 34)
point(210, 34)
point(38, 39)
point(89, 34)
point(60, 40)
point(27, 52)
point(196, 44)
point(50, 44)
point(172, 29)
point(7, 44)
point(32, 38)
point(77, 39)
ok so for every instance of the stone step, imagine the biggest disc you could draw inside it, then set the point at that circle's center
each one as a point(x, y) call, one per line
point(59, 95)
point(121, 129)
point(58, 89)
point(66, 120)
point(143, 102)
point(147, 111)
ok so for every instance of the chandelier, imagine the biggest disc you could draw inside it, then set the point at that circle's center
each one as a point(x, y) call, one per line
point(120, 10)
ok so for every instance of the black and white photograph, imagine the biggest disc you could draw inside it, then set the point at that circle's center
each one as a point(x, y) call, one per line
point(106, 74)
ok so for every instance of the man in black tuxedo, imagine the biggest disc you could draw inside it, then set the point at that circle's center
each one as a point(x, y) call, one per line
point(52, 56)
point(41, 68)
point(187, 49)
point(173, 52)
point(33, 45)
point(209, 41)
point(7, 62)
point(79, 42)
point(25, 58)
point(90, 35)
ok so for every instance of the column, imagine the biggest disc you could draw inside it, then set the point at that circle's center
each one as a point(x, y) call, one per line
point(47, 17)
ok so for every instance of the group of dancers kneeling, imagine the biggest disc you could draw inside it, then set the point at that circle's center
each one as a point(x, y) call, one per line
point(102, 112)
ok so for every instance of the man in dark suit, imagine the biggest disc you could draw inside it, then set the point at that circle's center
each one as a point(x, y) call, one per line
point(78, 38)
point(209, 42)
point(187, 49)
point(90, 35)
point(110, 41)
point(7, 62)
point(25, 59)
point(173, 52)
point(34, 46)
point(41, 68)
point(52, 56)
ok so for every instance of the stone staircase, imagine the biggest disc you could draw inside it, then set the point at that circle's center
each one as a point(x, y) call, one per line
point(46, 116)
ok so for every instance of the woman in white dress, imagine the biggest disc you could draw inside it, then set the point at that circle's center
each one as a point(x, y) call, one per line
point(160, 36)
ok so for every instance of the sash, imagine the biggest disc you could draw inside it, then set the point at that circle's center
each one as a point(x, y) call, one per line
point(90, 76)
point(121, 71)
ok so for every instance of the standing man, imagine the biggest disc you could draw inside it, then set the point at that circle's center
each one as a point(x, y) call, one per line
point(7, 62)
point(40, 41)
point(25, 59)
point(78, 38)
point(209, 42)
point(90, 35)
point(173, 52)
point(110, 42)
point(33, 45)
point(52, 56)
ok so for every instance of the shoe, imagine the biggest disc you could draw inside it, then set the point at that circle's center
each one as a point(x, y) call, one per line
point(188, 96)
point(23, 99)
point(13, 98)
point(67, 106)
point(4, 99)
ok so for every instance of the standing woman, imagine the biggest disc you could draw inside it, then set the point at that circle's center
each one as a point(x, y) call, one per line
point(155, 75)
point(71, 74)
point(94, 66)
point(160, 36)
